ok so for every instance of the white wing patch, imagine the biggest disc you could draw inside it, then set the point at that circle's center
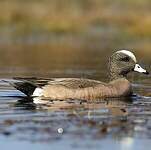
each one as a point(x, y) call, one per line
point(130, 54)
point(38, 92)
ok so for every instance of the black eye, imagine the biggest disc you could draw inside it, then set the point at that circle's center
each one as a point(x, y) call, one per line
point(126, 59)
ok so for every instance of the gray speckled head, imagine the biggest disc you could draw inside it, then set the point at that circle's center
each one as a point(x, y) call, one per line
point(121, 63)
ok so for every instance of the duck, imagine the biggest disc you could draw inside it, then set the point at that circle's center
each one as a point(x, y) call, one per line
point(120, 64)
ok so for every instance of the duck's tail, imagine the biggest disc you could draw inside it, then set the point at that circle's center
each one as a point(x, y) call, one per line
point(25, 87)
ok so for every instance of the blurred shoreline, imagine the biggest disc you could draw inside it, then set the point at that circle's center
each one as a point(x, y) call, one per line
point(72, 33)
point(84, 23)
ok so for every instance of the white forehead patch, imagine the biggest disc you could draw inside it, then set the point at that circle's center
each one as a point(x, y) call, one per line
point(130, 54)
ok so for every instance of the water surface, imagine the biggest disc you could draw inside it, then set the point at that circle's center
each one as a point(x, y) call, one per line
point(103, 124)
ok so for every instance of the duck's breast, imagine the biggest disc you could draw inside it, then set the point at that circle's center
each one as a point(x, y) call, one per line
point(121, 87)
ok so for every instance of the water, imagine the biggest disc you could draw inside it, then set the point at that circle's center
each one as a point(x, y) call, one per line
point(123, 124)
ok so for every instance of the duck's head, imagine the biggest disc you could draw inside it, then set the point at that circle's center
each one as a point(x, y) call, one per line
point(122, 62)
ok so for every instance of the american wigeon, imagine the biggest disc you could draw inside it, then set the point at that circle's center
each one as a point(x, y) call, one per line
point(120, 64)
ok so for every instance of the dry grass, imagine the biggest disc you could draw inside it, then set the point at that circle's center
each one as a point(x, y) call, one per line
point(70, 16)
point(107, 24)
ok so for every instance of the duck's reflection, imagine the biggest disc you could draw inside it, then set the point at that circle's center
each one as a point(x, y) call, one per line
point(113, 107)
point(25, 103)
point(98, 118)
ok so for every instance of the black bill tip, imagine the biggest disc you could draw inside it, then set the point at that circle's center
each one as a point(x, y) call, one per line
point(147, 73)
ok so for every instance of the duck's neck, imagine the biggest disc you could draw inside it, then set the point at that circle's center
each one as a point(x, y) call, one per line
point(115, 76)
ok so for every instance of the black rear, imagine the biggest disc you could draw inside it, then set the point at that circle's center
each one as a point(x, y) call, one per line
point(26, 87)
